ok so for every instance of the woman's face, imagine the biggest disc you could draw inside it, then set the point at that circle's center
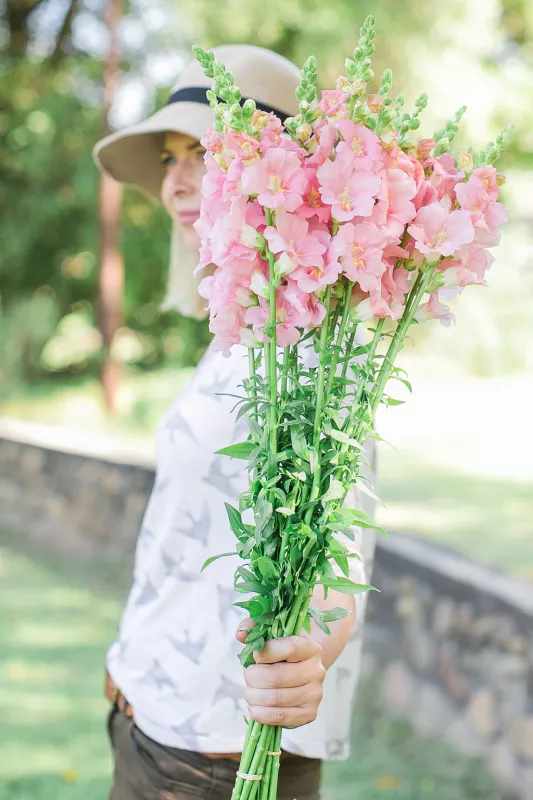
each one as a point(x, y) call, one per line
point(182, 157)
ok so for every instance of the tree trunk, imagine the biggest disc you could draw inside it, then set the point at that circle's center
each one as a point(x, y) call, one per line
point(111, 275)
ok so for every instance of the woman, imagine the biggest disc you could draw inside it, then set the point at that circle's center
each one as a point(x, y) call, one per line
point(178, 690)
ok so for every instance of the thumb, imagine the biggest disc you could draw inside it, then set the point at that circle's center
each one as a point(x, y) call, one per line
point(244, 629)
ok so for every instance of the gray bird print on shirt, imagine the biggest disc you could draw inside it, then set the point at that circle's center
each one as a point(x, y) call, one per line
point(342, 675)
point(177, 423)
point(216, 477)
point(161, 484)
point(187, 731)
point(226, 598)
point(199, 528)
point(191, 650)
point(231, 691)
point(173, 568)
point(215, 388)
point(147, 593)
point(335, 748)
point(156, 674)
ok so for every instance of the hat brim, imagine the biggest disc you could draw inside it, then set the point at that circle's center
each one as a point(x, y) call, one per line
point(134, 154)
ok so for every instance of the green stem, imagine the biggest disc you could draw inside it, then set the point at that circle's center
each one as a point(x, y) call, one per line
point(319, 407)
point(285, 372)
point(253, 735)
point(253, 374)
point(264, 787)
point(340, 338)
point(273, 789)
point(271, 363)
point(357, 399)
point(417, 292)
point(258, 757)
point(419, 289)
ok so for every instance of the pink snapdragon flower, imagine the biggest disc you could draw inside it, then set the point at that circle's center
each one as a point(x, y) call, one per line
point(479, 191)
point(395, 283)
point(434, 309)
point(359, 248)
point(443, 174)
point(333, 103)
point(242, 146)
point(229, 328)
point(323, 144)
point(487, 224)
point(394, 207)
point(379, 305)
point(294, 310)
point(468, 267)
point(278, 180)
point(313, 205)
point(350, 193)
point(297, 245)
point(317, 275)
point(360, 143)
point(439, 232)
point(232, 238)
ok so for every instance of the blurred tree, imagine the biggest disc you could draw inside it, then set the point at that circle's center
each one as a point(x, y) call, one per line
point(50, 116)
point(111, 267)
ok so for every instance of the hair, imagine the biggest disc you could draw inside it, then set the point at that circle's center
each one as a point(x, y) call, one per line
point(182, 284)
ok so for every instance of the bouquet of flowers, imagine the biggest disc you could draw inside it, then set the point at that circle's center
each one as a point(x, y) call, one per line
point(338, 218)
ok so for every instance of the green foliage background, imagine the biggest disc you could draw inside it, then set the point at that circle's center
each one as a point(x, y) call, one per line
point(50, 117)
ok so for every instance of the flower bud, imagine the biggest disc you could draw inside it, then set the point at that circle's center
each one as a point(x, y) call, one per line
point(343, 84)
point(221, 161)
point(259, 284)
point(363, 311)
point(375, 103)
point(465, 162)
point(304, 132)
point(359, 86)
point(388, 139)
point(259, 120)
point(424, 148)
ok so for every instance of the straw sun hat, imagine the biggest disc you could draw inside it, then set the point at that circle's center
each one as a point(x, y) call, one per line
point(133, 155)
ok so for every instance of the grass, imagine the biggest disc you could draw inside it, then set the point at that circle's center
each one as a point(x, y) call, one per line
point(57, 617)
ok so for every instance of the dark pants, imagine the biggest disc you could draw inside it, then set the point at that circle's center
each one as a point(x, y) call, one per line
point(145, 770)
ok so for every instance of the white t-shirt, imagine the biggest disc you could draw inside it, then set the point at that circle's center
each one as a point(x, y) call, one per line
point(176, 654)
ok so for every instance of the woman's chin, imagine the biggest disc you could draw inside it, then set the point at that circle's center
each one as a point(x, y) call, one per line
point(190, 237)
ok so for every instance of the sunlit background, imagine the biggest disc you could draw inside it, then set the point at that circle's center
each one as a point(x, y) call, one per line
point(457, 465)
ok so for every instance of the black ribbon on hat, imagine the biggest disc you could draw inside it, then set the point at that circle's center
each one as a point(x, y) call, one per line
point(196, 94)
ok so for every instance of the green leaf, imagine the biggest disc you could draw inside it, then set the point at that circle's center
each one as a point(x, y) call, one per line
point(251, 586)
point(313, 460)
point(235, 521)
point(335, 491)
point(390, 401)
point(299, 443)
point(267, 568)
point(316, 616)
point(342, 562)
point(307, 624)
point(215, 558)
point(340, 436)
point(345, 585)
point(287, 512)
point(241, 450)
point(333, 614)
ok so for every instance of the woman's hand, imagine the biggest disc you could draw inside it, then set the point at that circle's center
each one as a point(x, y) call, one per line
point(284, 686)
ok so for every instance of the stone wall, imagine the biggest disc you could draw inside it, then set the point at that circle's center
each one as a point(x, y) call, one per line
point(450, 641)
point(81, 493)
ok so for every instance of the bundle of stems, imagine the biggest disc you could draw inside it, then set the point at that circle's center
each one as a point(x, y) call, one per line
point(303, 461)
